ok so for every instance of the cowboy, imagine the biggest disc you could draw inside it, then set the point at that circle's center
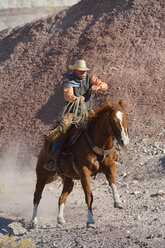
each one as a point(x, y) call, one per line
point(79, 83)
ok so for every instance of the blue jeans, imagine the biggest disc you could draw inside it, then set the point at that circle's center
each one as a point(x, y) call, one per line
point(56, 147)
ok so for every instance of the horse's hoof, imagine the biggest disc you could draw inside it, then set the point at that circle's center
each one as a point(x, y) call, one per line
point(91, 225)
point(32, 225)
point(60, 221)
point(118, 165)
point(118, 205)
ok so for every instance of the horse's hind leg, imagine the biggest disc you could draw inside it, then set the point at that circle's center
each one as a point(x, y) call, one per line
point(85, 181)
point(110, 175)
point(67, 188)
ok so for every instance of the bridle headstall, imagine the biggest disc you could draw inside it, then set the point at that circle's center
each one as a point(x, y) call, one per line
point(96, 149)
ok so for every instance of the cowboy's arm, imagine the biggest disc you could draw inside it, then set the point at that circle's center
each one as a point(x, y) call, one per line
point(69, 94)
point(98, 85)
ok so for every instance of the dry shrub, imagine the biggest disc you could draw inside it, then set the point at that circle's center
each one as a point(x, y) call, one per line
point(9, 242)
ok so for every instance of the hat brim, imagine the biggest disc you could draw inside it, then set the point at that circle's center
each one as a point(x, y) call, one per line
point(72, 67)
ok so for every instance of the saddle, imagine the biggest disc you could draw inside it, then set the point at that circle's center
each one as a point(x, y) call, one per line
point(65, 151)
point(74, 135)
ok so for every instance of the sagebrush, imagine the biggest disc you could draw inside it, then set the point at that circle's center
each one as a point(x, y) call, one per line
point(10, 242)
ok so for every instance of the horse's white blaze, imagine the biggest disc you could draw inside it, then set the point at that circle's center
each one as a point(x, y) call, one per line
point(34, 217)
point(115, 193)
point(61, 212)
point(124, 136)
point(90, 217)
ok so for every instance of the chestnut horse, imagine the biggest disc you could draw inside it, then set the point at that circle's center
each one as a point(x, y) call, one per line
point(92, 153)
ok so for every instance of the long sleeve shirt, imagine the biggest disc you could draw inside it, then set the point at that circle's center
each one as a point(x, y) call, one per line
point(97, 85)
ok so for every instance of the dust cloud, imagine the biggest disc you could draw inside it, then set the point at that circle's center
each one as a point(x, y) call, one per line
point(17, 186)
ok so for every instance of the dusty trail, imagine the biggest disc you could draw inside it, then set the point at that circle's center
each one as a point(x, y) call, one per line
point(140, 224)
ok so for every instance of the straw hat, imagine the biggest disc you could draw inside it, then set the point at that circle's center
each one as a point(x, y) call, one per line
point(79, 65)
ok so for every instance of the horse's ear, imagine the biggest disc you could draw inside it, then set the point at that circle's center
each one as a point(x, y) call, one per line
point(121, 102)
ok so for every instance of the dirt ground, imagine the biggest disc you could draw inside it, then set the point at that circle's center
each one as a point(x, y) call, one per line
point(123, 41)
point(141, 223)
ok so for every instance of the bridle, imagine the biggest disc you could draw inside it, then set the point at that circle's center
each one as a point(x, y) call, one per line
point(96, 149)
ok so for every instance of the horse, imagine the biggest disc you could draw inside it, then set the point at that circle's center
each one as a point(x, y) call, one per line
point(93, 152)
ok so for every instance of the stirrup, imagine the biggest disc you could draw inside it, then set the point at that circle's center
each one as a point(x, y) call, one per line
point(50, 165)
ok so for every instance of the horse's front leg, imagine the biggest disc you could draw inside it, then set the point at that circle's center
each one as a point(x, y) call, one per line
point(85, 181)
point(67, 188)
point(110, 175)
point(37, 197)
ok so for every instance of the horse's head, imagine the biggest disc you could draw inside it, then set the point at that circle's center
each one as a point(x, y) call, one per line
point(117, 119)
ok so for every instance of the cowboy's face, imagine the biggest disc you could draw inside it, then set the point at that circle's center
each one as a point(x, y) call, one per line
point(80, 74)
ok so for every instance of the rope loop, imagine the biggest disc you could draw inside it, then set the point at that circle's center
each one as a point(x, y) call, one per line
point(80, 119)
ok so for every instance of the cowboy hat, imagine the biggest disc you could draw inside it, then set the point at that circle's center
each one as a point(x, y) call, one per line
point(79, 65)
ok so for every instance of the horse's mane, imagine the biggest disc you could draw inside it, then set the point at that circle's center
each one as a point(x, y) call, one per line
point(93, 116)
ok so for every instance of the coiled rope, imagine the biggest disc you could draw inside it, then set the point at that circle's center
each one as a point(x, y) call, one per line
point(80, 113)
point(74, 113)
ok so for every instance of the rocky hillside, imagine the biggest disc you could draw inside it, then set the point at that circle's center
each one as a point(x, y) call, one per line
point(123, 41)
